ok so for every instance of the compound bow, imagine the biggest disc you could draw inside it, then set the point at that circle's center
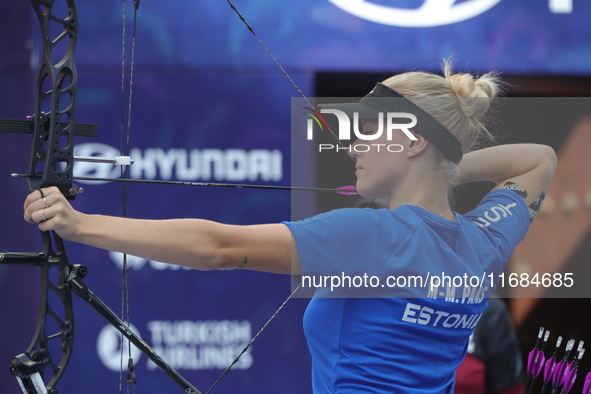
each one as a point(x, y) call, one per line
point(51, 164)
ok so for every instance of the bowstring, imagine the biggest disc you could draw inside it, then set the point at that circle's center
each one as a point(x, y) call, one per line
point(125, 151)
point(124, 275)
point(124, 147)
point(295, 85)
point(250, 28)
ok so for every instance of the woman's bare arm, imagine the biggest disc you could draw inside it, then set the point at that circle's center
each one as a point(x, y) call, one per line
point(194, 243)
point(531, 166)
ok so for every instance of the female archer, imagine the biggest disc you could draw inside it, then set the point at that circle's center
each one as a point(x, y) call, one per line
point(377, 338)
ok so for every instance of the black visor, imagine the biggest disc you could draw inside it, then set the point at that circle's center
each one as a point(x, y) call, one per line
point(383, 99)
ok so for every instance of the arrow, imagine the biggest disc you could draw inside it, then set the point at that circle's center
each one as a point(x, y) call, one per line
point(536, 360)
point(570, 375)
point(344, 190)
point(561, 366)
point(550, 365)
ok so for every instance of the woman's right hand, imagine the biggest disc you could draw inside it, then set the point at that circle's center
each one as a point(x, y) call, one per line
point(49, 208)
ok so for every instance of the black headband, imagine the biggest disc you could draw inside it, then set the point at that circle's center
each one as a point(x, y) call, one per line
point(429, 127)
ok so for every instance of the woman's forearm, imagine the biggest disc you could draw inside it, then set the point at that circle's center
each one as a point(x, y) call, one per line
point(530, 165)
point(502, 162)
point(190, 242)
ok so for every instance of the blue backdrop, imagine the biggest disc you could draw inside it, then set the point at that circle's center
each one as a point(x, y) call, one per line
point(209, 104)
point(512, 36)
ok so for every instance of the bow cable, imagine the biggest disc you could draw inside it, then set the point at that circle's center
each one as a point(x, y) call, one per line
point(251, 341)
point(124, 145)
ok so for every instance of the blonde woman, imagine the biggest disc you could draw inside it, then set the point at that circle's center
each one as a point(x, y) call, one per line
point(365, 340)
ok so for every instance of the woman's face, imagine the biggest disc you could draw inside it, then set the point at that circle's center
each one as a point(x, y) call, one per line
point(380, 162)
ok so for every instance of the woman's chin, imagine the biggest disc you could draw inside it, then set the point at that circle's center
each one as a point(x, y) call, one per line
point(369, 194)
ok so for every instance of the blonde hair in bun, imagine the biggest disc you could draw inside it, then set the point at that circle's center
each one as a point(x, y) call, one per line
point(458, 101)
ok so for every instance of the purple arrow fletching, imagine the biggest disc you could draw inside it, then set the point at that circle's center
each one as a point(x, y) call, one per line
point(568, 380)
point(539, 363)
point(569, 367)
point(534, 356)
point(531, 360)
point(549, 369)
point(587, 385)
point(347, 190)
point(558, 372)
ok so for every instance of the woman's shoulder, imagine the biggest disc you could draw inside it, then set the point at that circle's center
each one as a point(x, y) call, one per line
point(401, 214)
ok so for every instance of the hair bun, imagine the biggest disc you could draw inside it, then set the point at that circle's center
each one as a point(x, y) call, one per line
point(474, 94)
point(458, 101)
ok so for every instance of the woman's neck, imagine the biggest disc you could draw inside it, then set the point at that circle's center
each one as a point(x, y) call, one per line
point(426, 191)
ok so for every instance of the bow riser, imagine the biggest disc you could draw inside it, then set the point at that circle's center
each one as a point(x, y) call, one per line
point(51, 161)
point(52, 151)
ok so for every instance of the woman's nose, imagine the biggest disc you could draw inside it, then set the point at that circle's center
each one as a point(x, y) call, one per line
point(354, 153)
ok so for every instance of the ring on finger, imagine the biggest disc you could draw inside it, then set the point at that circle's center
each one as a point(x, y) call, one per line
point(43, 215)
point(45, 202)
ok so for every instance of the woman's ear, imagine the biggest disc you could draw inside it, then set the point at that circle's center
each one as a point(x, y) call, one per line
point(415, 148)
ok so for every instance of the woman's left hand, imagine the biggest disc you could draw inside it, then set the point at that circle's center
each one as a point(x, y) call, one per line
point(49, 208)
